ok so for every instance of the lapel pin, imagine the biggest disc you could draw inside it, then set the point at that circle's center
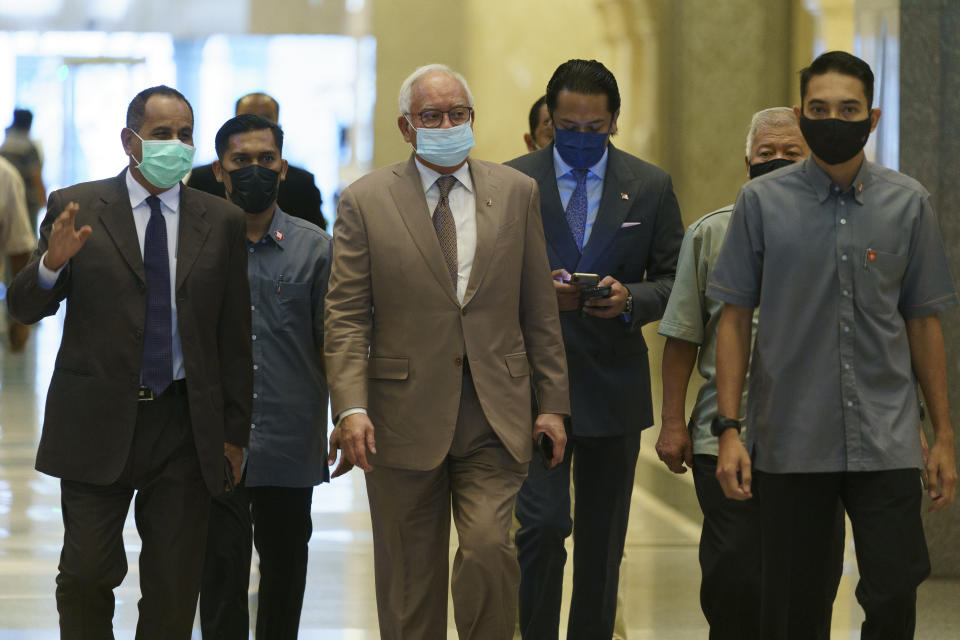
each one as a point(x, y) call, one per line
point(278, 235)
point(489, 202)
point(624, 196)
point(860, 187)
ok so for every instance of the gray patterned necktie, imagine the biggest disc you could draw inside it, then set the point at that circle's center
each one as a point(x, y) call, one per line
point(445, 227)
point(577, 207)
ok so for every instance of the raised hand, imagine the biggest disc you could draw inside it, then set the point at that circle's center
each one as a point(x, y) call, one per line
point(65, 239)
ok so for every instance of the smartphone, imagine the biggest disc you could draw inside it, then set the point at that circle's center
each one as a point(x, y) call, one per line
point(595, 292)
point(545, 448)
point(585, 279)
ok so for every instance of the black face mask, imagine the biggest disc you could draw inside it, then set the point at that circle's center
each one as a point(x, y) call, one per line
point(254, 188)
point(833, 140)
point(762, 168)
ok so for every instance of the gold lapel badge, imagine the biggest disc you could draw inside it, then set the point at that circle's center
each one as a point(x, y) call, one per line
point(489, 202)
point(624, 196)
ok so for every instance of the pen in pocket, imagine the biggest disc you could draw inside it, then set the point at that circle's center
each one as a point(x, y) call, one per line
point(280, 282)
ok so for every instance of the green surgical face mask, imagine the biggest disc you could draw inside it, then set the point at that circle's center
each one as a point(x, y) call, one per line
point(165, 162)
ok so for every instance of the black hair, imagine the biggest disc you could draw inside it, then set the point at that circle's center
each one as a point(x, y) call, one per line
point(588, 77)
point(241, 124)
point(136, 112)
point(839, 62)
point(534, 117)
point(257, 94)
point(22, 119)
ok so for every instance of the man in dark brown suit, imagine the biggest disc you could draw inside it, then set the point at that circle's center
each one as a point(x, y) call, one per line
point(152, 385)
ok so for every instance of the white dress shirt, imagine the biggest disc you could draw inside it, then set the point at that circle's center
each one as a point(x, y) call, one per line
point(170, 208)
point(463, 206)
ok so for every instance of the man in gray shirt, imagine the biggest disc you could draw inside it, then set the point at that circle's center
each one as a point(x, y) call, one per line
point(844, 260)
point(730, 540)
point(287, 265)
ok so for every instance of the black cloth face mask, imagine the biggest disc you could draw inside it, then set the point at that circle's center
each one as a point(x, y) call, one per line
point(763, 168)
point(254, 188)
point(833, 140)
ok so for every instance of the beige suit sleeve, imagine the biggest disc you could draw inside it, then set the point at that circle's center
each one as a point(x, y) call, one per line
point(540, 317)
point(349, 309)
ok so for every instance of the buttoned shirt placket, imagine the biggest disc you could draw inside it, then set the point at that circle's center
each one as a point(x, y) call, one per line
point(846, 263)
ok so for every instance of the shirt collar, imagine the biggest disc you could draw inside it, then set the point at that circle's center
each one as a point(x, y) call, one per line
point(138, 193)
point(823, 185)
point(428, 176)
point(561, 168)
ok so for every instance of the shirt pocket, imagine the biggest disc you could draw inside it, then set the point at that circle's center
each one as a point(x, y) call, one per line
point(878, 279)
point(295, 302)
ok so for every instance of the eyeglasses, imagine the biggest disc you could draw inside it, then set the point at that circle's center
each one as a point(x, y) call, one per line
point(431, 118)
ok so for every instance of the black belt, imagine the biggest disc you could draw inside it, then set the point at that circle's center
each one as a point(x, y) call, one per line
point(176, 388)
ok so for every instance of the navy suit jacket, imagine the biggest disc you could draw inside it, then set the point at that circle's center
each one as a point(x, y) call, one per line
point(635, 239)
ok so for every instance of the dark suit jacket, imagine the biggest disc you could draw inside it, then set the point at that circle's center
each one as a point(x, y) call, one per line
point(91, 406)
point(298, 194)
point(607, 358)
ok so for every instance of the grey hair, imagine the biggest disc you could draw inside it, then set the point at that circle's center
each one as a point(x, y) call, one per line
point(773, 118)
point(407, 87)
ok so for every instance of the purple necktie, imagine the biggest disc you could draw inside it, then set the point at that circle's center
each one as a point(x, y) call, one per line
point(157, 363)
point(577, 207)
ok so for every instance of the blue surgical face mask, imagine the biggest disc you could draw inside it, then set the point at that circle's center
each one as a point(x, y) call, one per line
point(165, 162)
point(444, 147)
point(579, 149)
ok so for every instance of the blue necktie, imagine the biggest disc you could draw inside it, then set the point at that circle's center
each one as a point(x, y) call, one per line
point(577, 207)
point(158, 334)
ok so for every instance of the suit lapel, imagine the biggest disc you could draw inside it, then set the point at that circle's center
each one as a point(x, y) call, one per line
point(407, 192)
point(555, 226)
point(117, 217)
point(489, 218)
point(618, 182)
point(193, 230)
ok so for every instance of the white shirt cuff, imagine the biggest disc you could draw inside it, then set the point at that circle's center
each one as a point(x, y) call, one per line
point(349, 412)
point(46, 278)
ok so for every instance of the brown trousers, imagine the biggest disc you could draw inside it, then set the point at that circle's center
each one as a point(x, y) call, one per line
point(410, 512)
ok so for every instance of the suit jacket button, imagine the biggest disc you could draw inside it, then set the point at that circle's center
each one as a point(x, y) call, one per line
point(138, 333)
point(458, 361)
point(463, 311)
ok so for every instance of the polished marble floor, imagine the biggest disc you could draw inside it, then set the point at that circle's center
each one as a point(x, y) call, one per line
point(660, 573)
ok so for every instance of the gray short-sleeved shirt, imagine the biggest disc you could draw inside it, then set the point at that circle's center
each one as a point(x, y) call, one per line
point(693, 317)
point(834, 275)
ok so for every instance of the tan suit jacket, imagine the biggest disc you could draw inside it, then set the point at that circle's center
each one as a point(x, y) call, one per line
point(396, 333)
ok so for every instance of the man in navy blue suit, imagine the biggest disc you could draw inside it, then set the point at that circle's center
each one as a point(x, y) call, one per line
point(607, 213)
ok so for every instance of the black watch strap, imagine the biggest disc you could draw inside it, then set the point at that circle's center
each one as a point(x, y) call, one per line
point(722, 423)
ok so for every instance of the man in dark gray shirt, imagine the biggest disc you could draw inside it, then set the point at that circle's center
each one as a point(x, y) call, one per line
point(844, 260)
point(287, 265)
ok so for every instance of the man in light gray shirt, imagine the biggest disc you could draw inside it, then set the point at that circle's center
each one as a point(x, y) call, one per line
point(844, 260)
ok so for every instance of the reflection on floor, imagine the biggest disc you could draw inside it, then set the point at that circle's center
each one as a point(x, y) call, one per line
point(661, 573)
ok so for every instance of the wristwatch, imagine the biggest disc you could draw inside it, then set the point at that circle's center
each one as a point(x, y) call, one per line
point(628, 306)
point(722, 423)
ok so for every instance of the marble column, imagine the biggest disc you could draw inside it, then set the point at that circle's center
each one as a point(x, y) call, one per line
point(720, 62)
point(930, 152)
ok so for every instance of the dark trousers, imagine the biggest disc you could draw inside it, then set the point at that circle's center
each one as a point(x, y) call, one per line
point(797, 525)
point(277, 520)
point(171, 508)
point(730, 551)
point(603, 472)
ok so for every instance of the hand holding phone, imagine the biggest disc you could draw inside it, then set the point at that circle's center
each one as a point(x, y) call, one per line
point(545, 449)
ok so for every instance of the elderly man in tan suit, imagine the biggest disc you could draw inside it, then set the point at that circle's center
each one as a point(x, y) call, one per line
point(440, 314)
